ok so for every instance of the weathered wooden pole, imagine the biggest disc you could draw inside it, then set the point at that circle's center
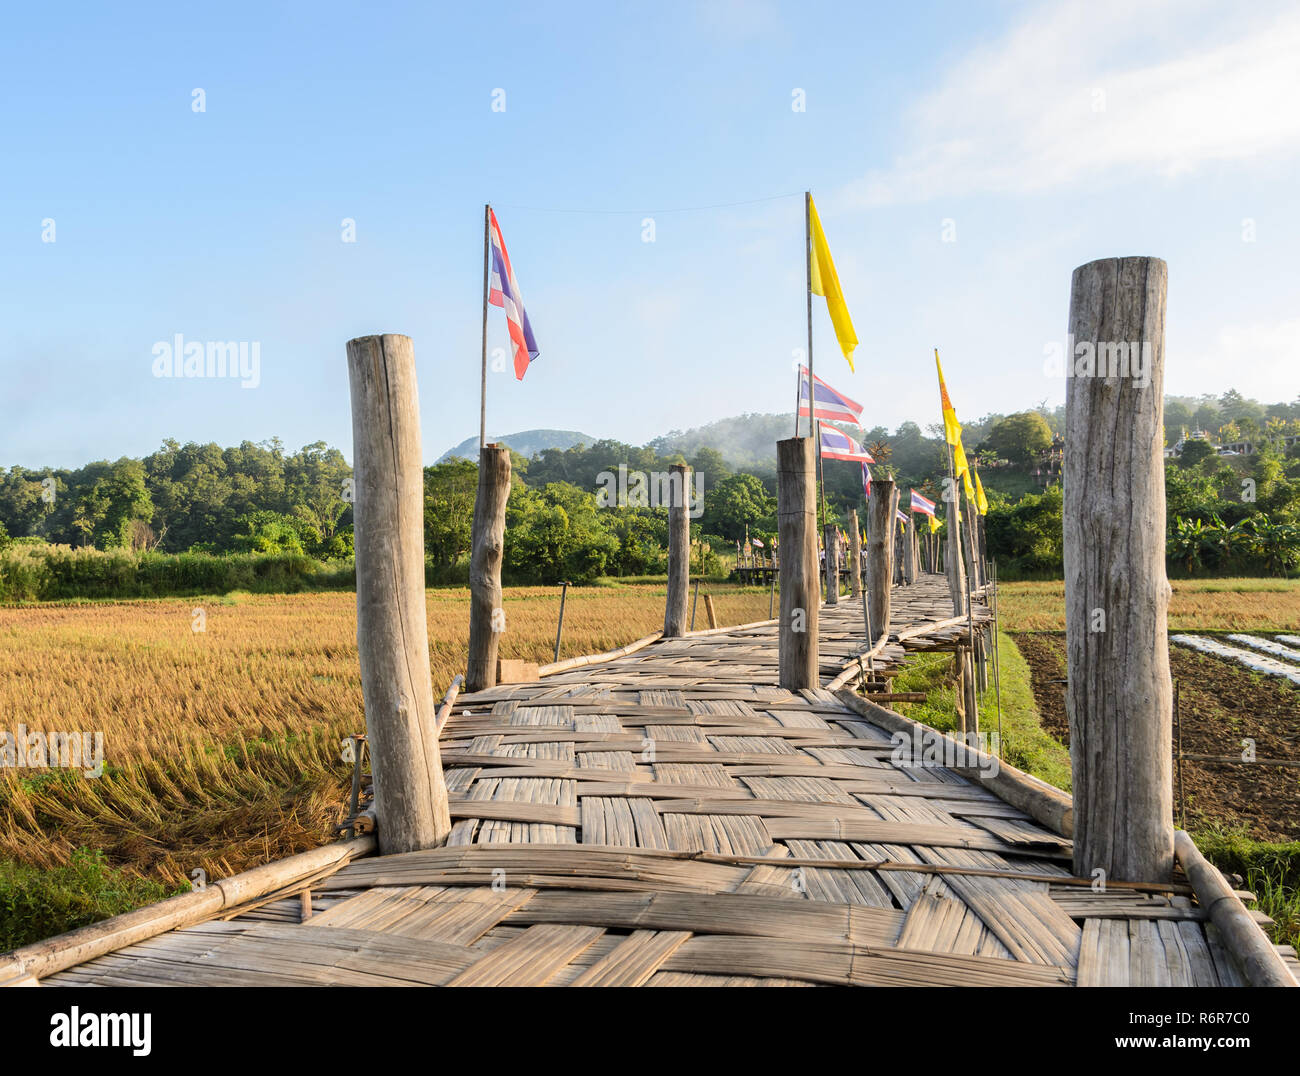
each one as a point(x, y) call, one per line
point(679, 552)
point(487, 618)
point(855, 555)
point(1119, 695)
point(970, 546)
point(881, 510)
point(796, 504)
point(970, 688)
point(831, 543)
point(392, 630)
point(952, 561)
point(909, 551)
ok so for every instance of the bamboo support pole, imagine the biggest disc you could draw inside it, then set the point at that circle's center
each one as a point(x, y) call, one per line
point(679, 552)
point(392, 632)
point(1119, 695)
point(855, 555)
point(797, 523)
point(881, 511)
point(486, 614)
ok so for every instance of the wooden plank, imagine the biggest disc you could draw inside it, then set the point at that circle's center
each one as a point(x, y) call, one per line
point(531, 959)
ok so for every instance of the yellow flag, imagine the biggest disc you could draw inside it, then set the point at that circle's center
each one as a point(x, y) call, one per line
point(934, 524)
point(825, 281)
point(981, 502)
point(962, 468)
point(951, 427)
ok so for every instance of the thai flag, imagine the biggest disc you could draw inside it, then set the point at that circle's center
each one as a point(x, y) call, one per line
point(922, 504)
point(830, 404)
point(503, 291)
point(866, 481)
point(838, 445)
point(755, 542)
point(901, 518)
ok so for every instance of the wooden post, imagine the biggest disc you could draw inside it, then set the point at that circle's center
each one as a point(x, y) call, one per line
point(855, 555)
point(881, 510)
point(679, 552)
point(796, 502)
point(392, 630)
point(956, 574)
point(487, 542)
point(559, 628)
point(831, 542)
point(909, 551)
point(959, 689)
point(970, 543)
point(1119, 697)
point(970, 688)
point(709, 611)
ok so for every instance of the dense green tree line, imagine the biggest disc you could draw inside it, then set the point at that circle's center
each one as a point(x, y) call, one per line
point(251, 498)
point(1225, 513)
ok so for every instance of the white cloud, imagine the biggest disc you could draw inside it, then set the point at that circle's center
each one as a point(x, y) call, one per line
point(1260, 360)
point(1064, 98)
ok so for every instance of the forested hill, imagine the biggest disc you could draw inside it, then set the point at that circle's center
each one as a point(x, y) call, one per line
point(527, 443)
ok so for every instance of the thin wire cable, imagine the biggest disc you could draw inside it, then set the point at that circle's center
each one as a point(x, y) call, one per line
point(660, 212)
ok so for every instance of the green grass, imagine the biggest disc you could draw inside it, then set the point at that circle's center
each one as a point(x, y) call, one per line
point(1271, 872)
point(1025, 743)
point(36, 903)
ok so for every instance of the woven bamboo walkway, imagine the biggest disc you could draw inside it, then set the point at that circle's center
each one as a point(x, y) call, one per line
point(673, 818)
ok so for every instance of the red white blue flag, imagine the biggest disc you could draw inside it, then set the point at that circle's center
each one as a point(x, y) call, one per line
point(503, 291)
point(838, 445)
point(830, 404)
point(866, 481)
point(922, 504)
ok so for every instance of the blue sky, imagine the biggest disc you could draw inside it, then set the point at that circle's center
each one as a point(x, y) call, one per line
point(1045, 135)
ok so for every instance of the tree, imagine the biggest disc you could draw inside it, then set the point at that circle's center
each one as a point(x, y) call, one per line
point(556, 533)
point(739, 500)
point(271, 532)
point(1234, 407)
point(1020, 438)
point(1194, 451)
point(449, 492)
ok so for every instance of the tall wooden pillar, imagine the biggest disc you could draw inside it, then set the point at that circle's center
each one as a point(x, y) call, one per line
point(909, 551)
point(1119, 695)
point(800, 582)
point(855, 555)
point(831, 543)
point(881, 510)
point(487, 618)
point(952, 555)
point(679, 551)
point(392, 629)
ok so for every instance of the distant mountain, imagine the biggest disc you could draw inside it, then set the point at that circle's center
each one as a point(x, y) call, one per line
point(526, 442)
point(745, 442)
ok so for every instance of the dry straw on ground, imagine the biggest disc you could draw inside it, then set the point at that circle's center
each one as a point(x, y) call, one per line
point(222, 746)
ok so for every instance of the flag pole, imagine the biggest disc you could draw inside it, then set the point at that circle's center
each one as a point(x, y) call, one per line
point(482, 398)
point(814, 423)
point(807, 251)
point(798, 399)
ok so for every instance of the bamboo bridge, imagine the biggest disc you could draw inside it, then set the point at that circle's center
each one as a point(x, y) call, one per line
point(671, 816)
point(724, 807)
